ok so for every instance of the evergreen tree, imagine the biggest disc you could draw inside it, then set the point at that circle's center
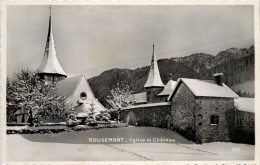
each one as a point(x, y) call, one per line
point(103, 116)
point(91, 119)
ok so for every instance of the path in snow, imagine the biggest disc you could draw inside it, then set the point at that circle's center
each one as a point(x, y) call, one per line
point(71, 146)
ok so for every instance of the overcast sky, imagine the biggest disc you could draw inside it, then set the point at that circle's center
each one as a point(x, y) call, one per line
point(92, 39)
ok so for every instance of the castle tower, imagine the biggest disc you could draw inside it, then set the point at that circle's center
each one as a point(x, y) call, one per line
point(50, 68)
point(154, 84)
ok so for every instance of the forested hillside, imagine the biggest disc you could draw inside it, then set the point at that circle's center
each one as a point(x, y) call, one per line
point(237, 65)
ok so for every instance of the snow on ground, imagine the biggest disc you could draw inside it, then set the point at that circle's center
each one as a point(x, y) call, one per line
point(73, 146)
point(210, 151)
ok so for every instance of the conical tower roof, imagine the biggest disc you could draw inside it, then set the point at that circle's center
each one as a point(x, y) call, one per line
point(50, 63)
point(154, 78)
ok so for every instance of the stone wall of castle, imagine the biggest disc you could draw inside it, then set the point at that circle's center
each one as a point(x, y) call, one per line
point(152, 93)
point(213, 122)
point(146, 116)
point(182, 112)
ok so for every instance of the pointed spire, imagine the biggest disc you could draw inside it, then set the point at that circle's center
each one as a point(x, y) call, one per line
point(50, 63)
point(50, 10)
point(154, 78)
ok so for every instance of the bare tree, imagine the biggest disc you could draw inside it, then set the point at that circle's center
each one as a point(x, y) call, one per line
point(120, 97)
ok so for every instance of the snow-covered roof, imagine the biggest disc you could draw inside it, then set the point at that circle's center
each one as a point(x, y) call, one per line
point(149, 105)
point(205, 88)
point(50, 63)
point(168, 88)
point(140, 97)
point(154, 78)
point(69, 86)
point(245, 104)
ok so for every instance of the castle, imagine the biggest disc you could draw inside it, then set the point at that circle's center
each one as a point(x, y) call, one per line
point(201, 110)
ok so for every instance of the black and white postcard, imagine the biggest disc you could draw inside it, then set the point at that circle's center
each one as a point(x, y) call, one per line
point(147, 83)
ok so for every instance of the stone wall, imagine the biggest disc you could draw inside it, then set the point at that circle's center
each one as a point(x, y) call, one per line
point(162, 98)
point(205, 108)
point(182, 112)
point(146, 116)
point(152, 93)
point(244, 127)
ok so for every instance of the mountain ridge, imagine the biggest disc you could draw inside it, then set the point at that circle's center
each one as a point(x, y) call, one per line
point(232, 62)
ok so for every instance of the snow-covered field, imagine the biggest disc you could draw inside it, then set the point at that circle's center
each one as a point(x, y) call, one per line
point(75, 146)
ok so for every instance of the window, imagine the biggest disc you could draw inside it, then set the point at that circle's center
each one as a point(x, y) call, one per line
point(214, 119)
point(240, 121)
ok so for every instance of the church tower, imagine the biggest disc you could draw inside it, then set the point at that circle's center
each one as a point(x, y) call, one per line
point(154, 84)
point(50, 68)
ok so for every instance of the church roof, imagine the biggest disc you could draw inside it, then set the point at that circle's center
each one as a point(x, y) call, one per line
point(205, 88)
point(168, 88)
point(68, 86)
point(50, 63)
point(154, 78)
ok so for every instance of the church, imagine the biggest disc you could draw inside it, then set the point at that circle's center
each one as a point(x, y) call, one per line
point(76, 89)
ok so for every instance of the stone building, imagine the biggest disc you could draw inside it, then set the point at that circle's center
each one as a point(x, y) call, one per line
point(199, 108)
point(244, 131)
point(154, 84)
point(151, 107)
point(155, 90)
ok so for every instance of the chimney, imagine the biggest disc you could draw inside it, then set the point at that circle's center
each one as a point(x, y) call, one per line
point(170, 76)
point(219, 78)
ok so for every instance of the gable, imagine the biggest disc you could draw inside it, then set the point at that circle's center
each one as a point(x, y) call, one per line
point(83, 86)
point(181, 91)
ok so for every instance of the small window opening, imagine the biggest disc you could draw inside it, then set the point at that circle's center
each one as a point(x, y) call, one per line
point(214, 119)
point(83, 95)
